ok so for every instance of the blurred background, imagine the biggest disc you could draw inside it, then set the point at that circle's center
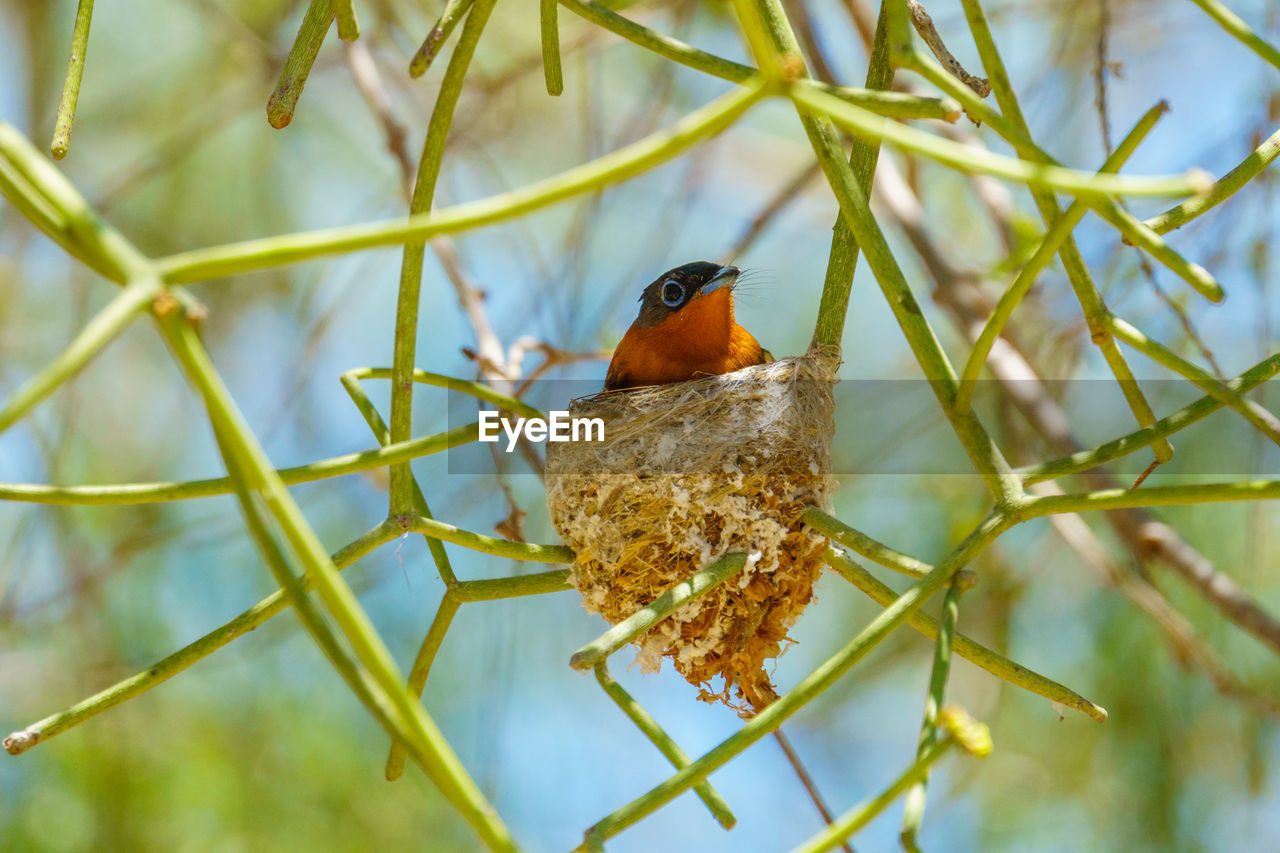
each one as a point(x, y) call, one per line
point(261, 746)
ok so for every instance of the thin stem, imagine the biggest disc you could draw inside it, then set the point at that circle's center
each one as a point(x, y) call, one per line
point(842, 258)
point(1015, 133)
point(104, 328)
point(645, 722)
point(863, 813)
point(297, 66)
point(976, 653)
point(1232, 23)
point(1123, 446)
point(435, 754)
point(518, 586)
point(1221, 190)
point(893, 104)
point(1252, 411)
point(424, 188)
point(188, 655)
point(140, 493)
point(453, 12)
point(348, 26)
point(913, 808)
point(976, 161)
point(861, 543)
point(491, 544)
point(235, 258)
point(71, 88)
point(1196, 493)
point(549, 17)
point(419, 672)
point(660, 608)
point(1082, 284)
point(1044, 253)
point(465, 386)
point(811, 686)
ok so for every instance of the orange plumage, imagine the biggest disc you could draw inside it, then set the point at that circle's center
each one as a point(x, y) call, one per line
point(685, 331)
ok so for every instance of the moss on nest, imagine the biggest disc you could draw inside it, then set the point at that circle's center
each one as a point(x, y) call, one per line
point(687, 473)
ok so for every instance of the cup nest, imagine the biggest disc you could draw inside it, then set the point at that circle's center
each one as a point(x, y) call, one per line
point(687, 473)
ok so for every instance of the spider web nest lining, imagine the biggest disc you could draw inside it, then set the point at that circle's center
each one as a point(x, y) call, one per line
point(687, 473)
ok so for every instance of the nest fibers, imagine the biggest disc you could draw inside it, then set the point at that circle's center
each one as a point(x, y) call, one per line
point(689, 472)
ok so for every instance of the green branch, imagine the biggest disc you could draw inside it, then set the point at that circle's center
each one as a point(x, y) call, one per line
point(861, 543)
point(638, 623)
point(188, 655)
point(1231, 22)
point(827, 673)
point(1252, 411)
point(104, 328)
point(491, 544)
point(1123, 446)
point(1196, 493)
point(976, 653)
point(1221, 190)
point(71, 88)
point(405, 344)
point(549, 11)
point(297, 66)
point(236, 258)
point(139, 493)
point(892, 104)
point(663, 741)
point(1049, 246)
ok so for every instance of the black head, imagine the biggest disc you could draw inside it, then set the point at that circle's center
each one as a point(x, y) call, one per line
point(675, 288)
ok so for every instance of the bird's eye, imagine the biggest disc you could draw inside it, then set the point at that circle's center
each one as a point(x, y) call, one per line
point(672, 293)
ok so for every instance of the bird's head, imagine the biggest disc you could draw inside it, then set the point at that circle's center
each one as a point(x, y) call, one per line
point(701, 287)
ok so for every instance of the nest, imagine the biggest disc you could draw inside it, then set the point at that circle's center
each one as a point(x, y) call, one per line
point(687, 473)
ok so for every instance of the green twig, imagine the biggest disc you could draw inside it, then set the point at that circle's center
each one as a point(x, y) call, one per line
point(71, 88)
point(659, 609)
point(893, 104)
point(1196, 493)
point(348, 26)
point(464, 386)
point(913, 807)
point(218, 261)
point(518, 586)
point(491, 544)
point(863, 544)
point(138, 493)
point(428, 743)
point(297, 66)
point(976, 653)
point(104, 328)
point(188, 655)
point(663, 741)
point(1014, 132)
point(550, 11)
point(1123, 446)
point(975, 739)
point(978, 161)
point(1221, 190)
point(424, 188)
point(419, 672)
point(809, 687)
point(1082, 284)
point(1252, 411)
point(1232, 23)
point(1044, 253)
point(842, 258)
point(454, 10)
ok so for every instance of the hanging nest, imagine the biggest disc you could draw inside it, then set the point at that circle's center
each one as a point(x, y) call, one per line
point(689, 472)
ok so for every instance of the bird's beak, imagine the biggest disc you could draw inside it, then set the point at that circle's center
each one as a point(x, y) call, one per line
point(726, 276)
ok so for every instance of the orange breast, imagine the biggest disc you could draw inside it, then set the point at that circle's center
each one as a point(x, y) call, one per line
point(701, 339)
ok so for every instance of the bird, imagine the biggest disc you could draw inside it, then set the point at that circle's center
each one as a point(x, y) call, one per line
point(685, 330)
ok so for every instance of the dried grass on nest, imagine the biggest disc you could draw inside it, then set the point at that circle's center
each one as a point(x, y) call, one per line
point(687, 473)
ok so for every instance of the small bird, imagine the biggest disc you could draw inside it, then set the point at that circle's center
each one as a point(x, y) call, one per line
point(685, 330)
